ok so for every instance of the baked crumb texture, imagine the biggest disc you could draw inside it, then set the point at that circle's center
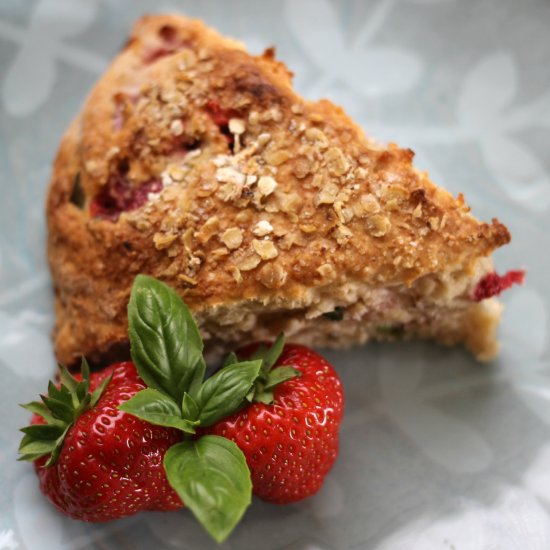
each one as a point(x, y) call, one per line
point(197, 163)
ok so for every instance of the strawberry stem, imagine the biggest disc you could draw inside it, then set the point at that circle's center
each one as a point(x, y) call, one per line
point(270, 377)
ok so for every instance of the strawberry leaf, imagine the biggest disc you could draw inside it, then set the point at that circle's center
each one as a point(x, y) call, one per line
point(157, 408)
point(270, 355)
point(212, 478)
point(57, 393)
point(96, 394)
point(29, 457)
point(251, 393)
point(84, 386)
point(265, 397)
point(269, 377)
point(230, 359)
point(279, 375)
point(224, 392)
point(61, 410)
point(54, 455)
point(40, 409)
point(67, 379)
point(43, 431)
point(165, 342)
point(41, 447)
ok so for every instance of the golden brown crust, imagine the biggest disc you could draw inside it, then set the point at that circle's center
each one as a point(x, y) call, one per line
point(302, 199)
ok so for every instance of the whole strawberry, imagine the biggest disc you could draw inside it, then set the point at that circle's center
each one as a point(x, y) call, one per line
point(108, 465)
point(289, 432)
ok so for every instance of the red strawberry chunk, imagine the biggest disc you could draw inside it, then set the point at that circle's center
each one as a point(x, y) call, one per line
point(170, 42)
point(121, 101)
point(119, 195)
point(493, 284)
point(221, 118)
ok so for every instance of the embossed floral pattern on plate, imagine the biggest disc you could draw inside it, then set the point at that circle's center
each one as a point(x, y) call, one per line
point(436, 451)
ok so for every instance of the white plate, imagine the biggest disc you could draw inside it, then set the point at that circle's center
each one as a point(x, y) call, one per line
point(437, 451)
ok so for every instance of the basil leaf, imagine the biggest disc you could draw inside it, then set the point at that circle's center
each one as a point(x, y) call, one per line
point(224, 392)
point(189, 408)
point(165, 342)
point(157, 408)
point(212, 478)
point(198, 377)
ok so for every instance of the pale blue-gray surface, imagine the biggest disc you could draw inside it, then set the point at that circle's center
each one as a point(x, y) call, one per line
point(437, 451)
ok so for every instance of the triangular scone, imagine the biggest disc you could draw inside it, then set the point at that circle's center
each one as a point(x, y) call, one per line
point(197, 163)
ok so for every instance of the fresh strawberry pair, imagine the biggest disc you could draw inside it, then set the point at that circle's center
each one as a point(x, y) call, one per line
point(154, 433)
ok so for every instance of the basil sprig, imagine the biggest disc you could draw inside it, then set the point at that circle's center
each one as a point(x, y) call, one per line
point(209, 473)
point(165, 341)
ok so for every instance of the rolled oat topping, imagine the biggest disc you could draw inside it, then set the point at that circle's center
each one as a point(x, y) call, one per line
point(265, 249)
point(232, 238)
point(262, 228)
point(266, 185)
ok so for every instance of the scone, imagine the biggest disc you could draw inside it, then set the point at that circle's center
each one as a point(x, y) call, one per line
point(197, 163)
